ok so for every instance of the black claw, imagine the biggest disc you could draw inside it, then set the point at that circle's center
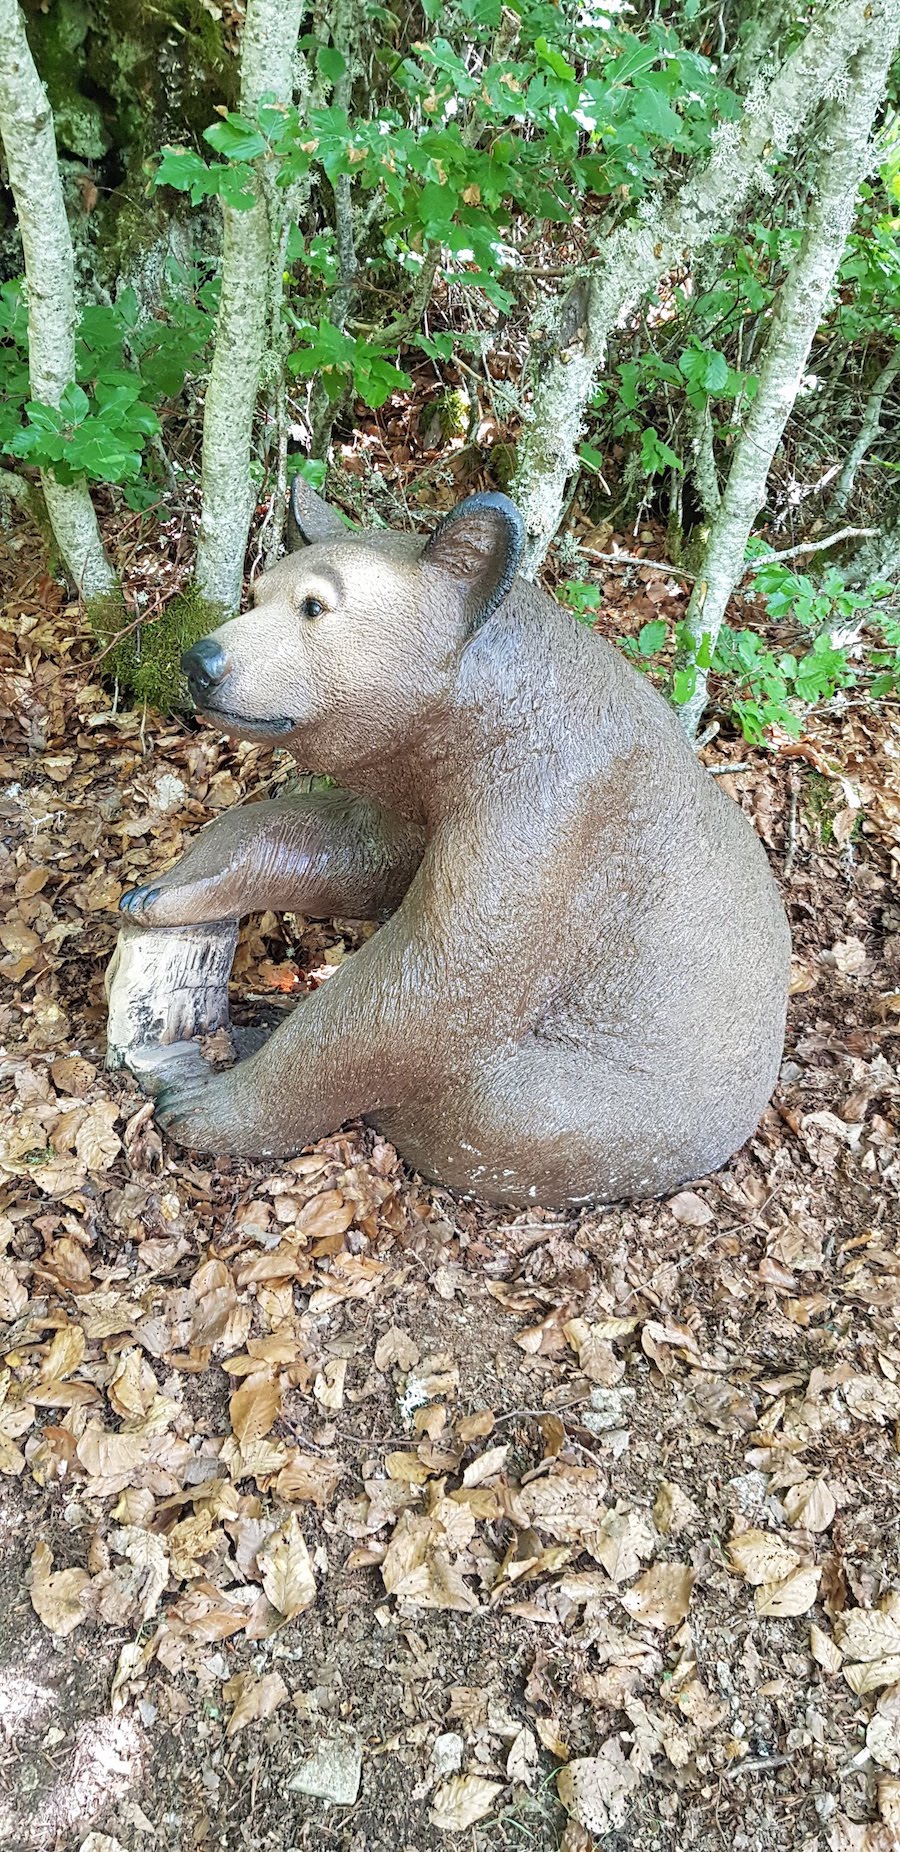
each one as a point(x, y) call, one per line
point(137, 898)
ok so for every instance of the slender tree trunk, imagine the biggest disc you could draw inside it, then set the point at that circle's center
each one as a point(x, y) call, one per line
point(703, 459)
point(846, 158)
point(268, 46)
point(868, 431)
point(26, 128)
point(658, 239)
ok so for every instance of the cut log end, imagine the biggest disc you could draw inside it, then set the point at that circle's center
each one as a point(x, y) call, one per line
point(166, 985)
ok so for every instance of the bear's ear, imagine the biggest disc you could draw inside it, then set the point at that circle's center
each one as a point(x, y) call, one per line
point(310, 519)
point(479, 544)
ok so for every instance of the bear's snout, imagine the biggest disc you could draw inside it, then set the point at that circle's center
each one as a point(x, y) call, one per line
point(206, 666)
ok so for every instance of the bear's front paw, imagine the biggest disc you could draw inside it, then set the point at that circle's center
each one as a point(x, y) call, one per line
point(168, 903)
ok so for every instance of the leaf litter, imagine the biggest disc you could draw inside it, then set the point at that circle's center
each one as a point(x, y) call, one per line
point(333, 1493)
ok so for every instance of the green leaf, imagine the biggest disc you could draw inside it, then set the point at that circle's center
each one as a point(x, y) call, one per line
point(437, 346)
point(236, 138)
point(592, 459)
point(43, 417)
point(437, 205)
point(310, 468)
point(651, 637)
point(582, 598)
point(330, 62)
point(657, 456)
point(185, 171)
point(554, 59)
point(233, 184)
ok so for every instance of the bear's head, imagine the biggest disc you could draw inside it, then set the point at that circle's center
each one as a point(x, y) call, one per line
point(354, 639)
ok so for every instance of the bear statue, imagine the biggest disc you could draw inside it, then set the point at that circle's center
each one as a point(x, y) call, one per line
point(577, 992)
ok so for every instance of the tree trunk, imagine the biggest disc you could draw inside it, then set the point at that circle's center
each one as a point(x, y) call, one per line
point(659, 238)
point(846, 158)
point(868, 431)
point(267, 51)
point(26, 128)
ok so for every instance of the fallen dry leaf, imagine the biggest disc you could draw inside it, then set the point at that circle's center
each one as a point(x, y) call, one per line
point(690, 1209)
point(673, 1511)
point(848, 956)
point(595, 1353)
point(96, 1144)
point(254, 1407)
point(287, 1573)
point(597, 1790)
point(65, 1354)
point(883, 1731)
point(661, 1596)
point(253, 1698)
point(461, 1801)
point(824, 1651)
point(522, 1761)
point(623, 1540)
point(61, 1599)
point(794, 1594)
point(328, 1387)
point(869, 1639)
point(810, 1505)
point(761, 1557)
point(396, 1347)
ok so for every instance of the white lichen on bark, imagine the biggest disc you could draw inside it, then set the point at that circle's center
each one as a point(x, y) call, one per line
point(661, 237)
point(26, 129)
point(268, 46)
point(847, 155)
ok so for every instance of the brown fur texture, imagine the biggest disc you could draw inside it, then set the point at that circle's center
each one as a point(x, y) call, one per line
point(579, 993)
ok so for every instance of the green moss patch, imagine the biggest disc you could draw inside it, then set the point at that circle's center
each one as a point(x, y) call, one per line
point(146, 659)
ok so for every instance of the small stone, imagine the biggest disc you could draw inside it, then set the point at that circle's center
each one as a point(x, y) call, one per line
point(332, 1772)
point(447, 1755)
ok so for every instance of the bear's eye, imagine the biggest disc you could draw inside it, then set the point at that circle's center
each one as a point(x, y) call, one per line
point(312, 607)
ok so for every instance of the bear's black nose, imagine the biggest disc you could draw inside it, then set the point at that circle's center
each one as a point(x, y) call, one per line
point(206, 665)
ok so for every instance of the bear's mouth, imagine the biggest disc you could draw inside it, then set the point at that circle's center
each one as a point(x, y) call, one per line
point(245, 724)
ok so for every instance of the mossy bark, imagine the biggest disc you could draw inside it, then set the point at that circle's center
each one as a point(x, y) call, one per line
point(26, 128)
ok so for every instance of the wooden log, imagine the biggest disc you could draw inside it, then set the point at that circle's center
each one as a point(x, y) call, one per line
point(165, 985)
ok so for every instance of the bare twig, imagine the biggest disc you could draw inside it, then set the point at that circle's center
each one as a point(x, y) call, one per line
point(791, 855)
point(393, 332)
point(750, 565)
point(754, 1765)
point(868, 431)
point(808, 546)
point(634, 559)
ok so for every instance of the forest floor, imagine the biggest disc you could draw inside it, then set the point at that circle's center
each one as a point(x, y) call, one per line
point(339, 1513)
